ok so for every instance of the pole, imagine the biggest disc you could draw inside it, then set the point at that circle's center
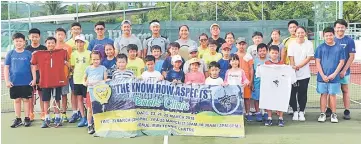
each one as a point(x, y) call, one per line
point(124, 11)
point(170, 10)
point(77, 12)
point(216, 10)
point(29, 11)
point(262, 9)
point(9, 26)
point(336, 11)
point(340, 9)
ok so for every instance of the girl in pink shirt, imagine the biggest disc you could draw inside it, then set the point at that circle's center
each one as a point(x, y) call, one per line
point(194, 76)
point(235, 75)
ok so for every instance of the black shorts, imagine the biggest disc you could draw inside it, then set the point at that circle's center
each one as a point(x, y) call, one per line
point(50, 92)
point(37, 77)
point(21, 92)
point(80, 89)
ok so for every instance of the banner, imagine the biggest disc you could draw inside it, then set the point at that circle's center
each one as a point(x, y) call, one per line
point(133, 107)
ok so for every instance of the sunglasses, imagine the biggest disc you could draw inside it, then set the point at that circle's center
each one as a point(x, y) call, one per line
point(99, 29)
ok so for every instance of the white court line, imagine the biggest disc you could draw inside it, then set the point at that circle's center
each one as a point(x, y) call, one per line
point(338, 95)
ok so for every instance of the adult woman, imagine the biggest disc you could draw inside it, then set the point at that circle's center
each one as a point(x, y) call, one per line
point(185, 42)
point(230, 40)
point(276, 40)
point(300, 52)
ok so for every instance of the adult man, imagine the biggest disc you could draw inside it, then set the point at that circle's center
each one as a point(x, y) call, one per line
point(121, 43)
point(348, 44)
point(155, 39)
point(215, 31)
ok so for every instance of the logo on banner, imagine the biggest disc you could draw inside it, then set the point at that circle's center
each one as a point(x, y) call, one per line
point(102, 93)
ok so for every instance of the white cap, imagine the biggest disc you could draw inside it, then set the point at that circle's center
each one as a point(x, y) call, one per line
point(80, 37)
point(176, 58)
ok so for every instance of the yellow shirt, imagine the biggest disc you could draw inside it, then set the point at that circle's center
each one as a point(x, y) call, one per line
point(137, 66)
point(208, 57)
point(71, 43)
point(202, 51)
point(80, 61)
point(286, 42)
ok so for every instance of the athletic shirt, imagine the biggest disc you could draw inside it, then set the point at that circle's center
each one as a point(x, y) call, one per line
point(19, 67)
point(276, 85)
point(224, 66)
point(151, 76)
point(99, 45)
point(32, 49)
point(194, 77)
point(69, 51)
point(118, 74)
point(300, 52)
point(330, 57)
point(286, 42)
point(137, 66)
point(214, 81)
point(237, 77)
point(172, 75)
point(220, 41)
point(51, 67)
point(244, 63)
point(121, 43)
point(348, 45)
point(208, 57)
point(95, 74)
point(110, 65)
point(80, 61)
point(160, 41)
point(185, 45)
point(202, 51)
point(257, 62)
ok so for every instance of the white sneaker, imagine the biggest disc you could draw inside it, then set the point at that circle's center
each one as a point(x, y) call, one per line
point(322, 118)
point(334, 118)
point(290, 110)
point(301, 116)
point(295, 116)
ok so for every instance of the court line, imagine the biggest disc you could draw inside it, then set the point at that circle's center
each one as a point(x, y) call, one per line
point(339, 96)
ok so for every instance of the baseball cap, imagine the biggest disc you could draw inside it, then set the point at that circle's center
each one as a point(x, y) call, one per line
point(80, 37)
point(176, 58)
point(214, 24)
point(193, 60)
point(226, 45)
point(241, 39)
point(126, 22)
point(192, 49)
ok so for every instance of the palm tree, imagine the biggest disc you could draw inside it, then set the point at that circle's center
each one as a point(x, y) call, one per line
point(95, 7)
point(54, 8)
point(112, 6)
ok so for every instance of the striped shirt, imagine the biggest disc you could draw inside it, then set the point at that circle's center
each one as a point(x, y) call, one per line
point(118, 74)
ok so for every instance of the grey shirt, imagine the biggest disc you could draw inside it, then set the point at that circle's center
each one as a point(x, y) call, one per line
point(161, 41)
point(121, 43)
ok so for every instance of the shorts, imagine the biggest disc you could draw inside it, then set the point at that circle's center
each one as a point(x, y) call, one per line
point(80, 89)
point(247, 92)
point(65, 90)
point(71, 83)
point(256, 92)
point(328, 88)
point(21, 92)
point(51, 92)
point(345, 80)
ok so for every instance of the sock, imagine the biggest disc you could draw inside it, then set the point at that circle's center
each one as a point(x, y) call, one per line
point(75, 112)
point(89, 124)
point(47, 116)
point(280, 118)
point(269, 118)
point(57, 115)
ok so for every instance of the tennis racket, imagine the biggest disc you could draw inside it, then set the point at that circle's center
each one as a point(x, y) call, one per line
point(36, 97)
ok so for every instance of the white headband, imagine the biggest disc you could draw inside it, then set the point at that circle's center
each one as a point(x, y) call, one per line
point(154, 23)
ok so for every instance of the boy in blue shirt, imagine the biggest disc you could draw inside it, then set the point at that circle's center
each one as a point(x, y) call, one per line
point(224, 62)
point(167, 64)
point(20, 76)
point(176, 75)
point(157, 52)
point(348, 44)
point(330, 58)
point(101, 40)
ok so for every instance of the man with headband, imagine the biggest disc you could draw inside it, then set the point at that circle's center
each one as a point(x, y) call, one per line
point(155, 39)
point(121, 43)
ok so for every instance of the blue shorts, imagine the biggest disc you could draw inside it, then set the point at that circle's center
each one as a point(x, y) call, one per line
point(256, 92)
point(328, 88)
point(345, 80)
point(71, 82)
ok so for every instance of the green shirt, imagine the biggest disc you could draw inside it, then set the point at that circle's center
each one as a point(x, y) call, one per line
point(80, 61)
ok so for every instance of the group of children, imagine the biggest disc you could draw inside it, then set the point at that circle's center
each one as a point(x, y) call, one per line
point(85, 68)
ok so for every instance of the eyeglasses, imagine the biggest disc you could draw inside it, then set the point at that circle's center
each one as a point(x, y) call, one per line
point(203, 40)
point(99, 29)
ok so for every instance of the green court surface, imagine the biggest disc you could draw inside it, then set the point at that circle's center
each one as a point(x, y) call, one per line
point(309, 132)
